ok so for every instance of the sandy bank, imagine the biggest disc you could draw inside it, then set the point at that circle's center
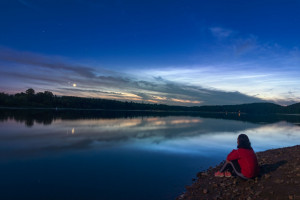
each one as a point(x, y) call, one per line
point(279, 179)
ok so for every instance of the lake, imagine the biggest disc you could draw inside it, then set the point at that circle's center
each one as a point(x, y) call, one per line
point(86, 154)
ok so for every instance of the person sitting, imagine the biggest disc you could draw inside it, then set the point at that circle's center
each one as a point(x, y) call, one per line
point(241, 161)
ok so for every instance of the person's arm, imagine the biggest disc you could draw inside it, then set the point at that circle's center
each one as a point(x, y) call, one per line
point(234, 155)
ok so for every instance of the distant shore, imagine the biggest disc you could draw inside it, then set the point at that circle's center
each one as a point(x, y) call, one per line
point(47, 99)
point(279, 179)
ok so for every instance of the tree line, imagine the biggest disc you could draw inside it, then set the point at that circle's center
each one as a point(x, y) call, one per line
point(47, 99)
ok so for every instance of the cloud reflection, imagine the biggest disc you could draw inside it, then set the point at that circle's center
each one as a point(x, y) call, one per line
point(174, 134)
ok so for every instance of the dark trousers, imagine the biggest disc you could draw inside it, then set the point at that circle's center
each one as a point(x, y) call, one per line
point(233, 166)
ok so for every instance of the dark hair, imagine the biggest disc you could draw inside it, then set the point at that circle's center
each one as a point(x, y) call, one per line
point(244, 142)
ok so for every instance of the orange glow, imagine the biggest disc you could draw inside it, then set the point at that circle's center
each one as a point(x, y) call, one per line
point(159, 98)
point(185, 121)
point(132, 122)
point(152, 101)
point(185, 101)
point(152, 119)
point(159, 123)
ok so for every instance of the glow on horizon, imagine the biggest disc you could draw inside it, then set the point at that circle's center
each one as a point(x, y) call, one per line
point(271, 85)
point(279, 86)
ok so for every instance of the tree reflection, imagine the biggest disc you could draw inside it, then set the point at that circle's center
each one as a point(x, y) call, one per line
point(47, 116)
point(29, 122)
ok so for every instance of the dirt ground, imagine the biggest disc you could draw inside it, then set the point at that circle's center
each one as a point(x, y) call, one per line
point(279, 179)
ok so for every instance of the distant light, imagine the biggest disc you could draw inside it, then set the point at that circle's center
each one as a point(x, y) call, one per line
point(74, 85)
point(73, 130)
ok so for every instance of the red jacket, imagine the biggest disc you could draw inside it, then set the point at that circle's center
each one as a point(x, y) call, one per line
point(247, 161)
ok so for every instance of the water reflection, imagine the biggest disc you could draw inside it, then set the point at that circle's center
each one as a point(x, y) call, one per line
point(172, 134)
point(30, 117)
point(126, 155)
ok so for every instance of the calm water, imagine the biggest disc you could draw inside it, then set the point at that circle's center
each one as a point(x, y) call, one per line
point(122, 155)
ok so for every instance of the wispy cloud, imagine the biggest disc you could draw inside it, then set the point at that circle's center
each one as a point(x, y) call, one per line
point(28, 58)
point(220, 32)
point(243, 45)
point(254, 78)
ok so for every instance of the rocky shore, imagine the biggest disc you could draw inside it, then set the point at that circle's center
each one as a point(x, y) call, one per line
point(279, 179)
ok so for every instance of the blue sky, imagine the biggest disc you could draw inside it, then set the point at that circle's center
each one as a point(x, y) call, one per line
point(173, 52)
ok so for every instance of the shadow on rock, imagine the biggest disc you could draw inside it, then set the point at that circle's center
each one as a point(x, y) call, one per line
point(267, 168)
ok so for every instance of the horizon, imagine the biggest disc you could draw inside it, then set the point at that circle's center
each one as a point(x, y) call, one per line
point(264, 102)
point(168, 52)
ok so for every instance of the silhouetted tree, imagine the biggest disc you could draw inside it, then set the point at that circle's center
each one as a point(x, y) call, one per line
point(30, 92)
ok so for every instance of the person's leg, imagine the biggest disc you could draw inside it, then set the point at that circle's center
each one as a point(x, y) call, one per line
point(233, 166)
point(220, 173)
point(236, 165)
point(237, 169)
point(225, 166)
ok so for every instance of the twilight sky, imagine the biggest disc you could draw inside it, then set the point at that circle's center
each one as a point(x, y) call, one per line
point(172, 52)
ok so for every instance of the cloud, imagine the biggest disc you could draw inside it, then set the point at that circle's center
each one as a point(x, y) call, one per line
point(244, 45)
point(172, 93)
point(58, 75)
point(28, 58)
point(186, 101)
point(234, 42)
point(221, 32)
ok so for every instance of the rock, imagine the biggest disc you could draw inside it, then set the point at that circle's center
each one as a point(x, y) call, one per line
point(216, 197)
point(278, 181)
point(257, 193)
point(277, 176)
point(187, 187)
point(235, 182)
point(250, 181)
point(199, 174)
point(181, 196)
point(267, 176)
